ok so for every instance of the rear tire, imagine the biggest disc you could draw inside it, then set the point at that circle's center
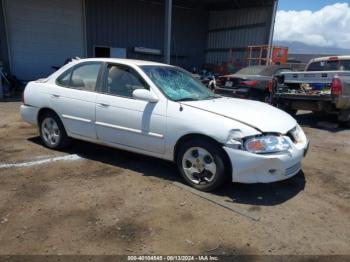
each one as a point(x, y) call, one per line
point(345, 124)
point(52, 131)
point(202, 164)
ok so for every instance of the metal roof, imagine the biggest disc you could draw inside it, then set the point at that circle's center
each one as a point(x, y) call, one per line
point(224, 4)
point(217, 4)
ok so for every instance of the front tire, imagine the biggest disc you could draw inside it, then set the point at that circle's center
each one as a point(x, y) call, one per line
point(202, 164)
point(52, 132)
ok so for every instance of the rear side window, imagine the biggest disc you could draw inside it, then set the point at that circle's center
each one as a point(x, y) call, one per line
point(332, 65)
point(83, 77)
point(316, 66)
point(64, 79)
point(344, 65)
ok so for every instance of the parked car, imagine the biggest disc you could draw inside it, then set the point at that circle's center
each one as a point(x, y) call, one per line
point(207, 78)
point(162, 111)
point(254, 82)
point(329, 63)
point(326, 90)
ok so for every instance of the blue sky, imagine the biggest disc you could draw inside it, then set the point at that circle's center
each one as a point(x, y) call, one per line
point(311, 5)
point(323, 23)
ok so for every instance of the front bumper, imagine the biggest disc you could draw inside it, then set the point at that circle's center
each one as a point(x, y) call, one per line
point(251, 168)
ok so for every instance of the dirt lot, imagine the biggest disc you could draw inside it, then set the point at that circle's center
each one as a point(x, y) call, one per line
point(108, 201)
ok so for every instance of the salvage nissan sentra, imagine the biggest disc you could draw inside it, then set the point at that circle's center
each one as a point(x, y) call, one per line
point(162, 111)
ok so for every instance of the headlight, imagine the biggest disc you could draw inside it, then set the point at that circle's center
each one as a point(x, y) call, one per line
point(267, 144)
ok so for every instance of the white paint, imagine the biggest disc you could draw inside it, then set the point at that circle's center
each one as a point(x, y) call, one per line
point(76, 118)
point(149, 123)
point(42, 161)
point(130, 129)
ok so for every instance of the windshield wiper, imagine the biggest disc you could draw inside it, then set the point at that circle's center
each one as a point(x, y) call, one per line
point(186, 99)
point(211, 97)
point(197, 99)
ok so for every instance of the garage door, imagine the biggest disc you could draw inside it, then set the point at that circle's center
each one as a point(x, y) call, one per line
point(43, 34)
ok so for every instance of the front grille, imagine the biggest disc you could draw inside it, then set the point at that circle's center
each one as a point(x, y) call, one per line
point(293, 169)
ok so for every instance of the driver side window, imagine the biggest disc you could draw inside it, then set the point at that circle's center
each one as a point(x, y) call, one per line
point(122, 81)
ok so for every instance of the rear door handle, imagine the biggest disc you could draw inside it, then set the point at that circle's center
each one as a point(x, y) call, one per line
point(55, 96)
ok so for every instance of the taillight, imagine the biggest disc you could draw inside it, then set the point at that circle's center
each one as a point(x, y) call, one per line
point(337, 87)
point(249, 83)
point(23, 97)
point(269, 86)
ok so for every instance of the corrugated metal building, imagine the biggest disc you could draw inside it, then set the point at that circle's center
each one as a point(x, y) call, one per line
point(39, 34)
point(234, 30)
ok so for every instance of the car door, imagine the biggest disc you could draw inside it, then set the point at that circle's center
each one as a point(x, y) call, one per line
point(74, 96)
point(123, 120)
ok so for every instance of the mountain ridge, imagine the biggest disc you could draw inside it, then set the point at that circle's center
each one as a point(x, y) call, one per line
point(296, 47)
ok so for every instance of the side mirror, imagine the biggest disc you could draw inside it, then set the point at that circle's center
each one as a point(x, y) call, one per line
point(145, 95)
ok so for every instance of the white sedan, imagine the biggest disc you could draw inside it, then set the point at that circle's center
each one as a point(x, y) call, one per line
point(162, 111)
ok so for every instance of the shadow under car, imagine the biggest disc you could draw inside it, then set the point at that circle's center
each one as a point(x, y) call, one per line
point(253, 194)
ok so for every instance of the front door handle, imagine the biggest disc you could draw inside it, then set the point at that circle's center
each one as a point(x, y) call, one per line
point(55, 96)
point(103, 104)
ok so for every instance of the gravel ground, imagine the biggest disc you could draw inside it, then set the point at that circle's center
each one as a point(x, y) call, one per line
point(107, 201)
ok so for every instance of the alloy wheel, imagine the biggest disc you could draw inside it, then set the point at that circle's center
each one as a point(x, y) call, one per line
point(199, 166)
point(50, 131)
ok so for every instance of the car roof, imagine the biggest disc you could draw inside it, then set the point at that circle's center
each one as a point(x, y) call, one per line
point(326, 58)
point(120, 61)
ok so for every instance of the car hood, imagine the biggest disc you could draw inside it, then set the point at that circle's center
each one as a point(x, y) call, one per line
point(261, 116)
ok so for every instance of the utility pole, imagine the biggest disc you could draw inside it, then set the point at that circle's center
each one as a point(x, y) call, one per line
point(272, 28)
point(167, 31)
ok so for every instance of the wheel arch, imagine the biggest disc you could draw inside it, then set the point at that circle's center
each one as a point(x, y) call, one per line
point(64, 138)
point(46, 110)
point(192, 136)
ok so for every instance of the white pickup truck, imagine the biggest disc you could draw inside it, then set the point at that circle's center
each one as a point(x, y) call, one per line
point(323, 87)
